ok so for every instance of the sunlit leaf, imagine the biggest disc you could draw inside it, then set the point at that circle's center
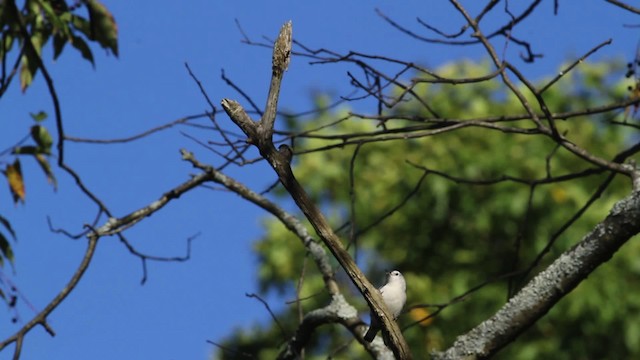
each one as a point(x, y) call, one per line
point(42, 137)
point(16, 182)
point(46, 167)
point(26, 73)
point(421, 315)
point(8, 44)
point(103, 26)
point(31, 59)
point(81, 24)
point(39, 116)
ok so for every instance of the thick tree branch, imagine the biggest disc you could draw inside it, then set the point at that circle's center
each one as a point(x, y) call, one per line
point(338, 311)
point(551, 285)
point(260, 134)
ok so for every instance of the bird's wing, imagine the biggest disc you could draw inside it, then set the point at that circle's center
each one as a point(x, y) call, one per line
point(382, 289)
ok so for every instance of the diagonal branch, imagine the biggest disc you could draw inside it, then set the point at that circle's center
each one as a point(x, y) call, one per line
point(41, 318)
point(339, 310)
point(318, 254)
point(551, 285)
point(260, 134)
point(624, 6)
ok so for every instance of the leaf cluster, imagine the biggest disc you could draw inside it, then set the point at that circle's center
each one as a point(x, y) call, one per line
point(31, 27)
point(26, 28)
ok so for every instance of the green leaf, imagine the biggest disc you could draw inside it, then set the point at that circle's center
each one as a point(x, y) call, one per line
point(37, 40)
point(27, 71)
point(39, 116)
point(46, 167)
point(103, 26)
point(58, 45)
point(81, 45)
point(8, 44)
point(5, 248)
point(42, 137)
point(7, 225)
point(59, 26)
point(30, 61)
point(81, 24)
point(25, 150)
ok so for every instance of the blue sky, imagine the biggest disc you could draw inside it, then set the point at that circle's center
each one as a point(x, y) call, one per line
point(110, 315)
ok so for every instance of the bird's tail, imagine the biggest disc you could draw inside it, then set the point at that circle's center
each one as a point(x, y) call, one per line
point(371, 334)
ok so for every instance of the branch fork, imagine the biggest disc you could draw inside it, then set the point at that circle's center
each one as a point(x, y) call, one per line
point(260, 134)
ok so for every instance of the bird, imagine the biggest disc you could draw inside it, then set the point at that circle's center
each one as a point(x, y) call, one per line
point(394, 295)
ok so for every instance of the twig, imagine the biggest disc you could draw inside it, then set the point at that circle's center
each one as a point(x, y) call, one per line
point(141, 135)
point(235, 87)
point(352, 198)
point(145, 257)
point(273, 316)
point(572, 65)
point(316, 251)
point(624, 6)
point(233, 352)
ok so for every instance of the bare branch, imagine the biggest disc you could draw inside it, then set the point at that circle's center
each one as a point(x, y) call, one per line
point(317, 252)
point(573, 65)
point(624, 6)
point(260, 134)
point(273, 316)
point(145, 257)
point(41, 318)
point(281, 59)
point(139, 136)
point(338, 311)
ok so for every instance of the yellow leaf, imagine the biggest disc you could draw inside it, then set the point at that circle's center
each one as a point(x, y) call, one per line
point(16, 182)
point(421, 315)
point(559, 194)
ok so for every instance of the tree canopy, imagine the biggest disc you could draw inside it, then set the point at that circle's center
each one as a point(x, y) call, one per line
point(469, 216)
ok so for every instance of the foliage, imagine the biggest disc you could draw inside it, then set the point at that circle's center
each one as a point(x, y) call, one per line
point(448, 236)
point(31, 28)
point(25, 31)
